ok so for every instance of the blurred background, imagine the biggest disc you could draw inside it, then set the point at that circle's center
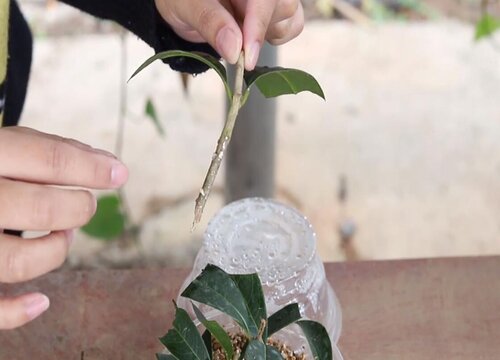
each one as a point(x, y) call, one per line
point(401, 161)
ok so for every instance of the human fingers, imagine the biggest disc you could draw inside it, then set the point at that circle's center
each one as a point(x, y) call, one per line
point(277, 21)
point(75, 143)
point(37, 207)
point(285, 30)
point(257, 18)
point(208, 20)
point(15, 312)
point(26, 259)
point(283, 9)
point(29, 155)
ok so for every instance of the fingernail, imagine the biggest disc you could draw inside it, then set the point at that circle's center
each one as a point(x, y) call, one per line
point(94, 205)
point(35, 304)
point(70, 236)
point(228, 44)
point(252, 56)
point(119, 174)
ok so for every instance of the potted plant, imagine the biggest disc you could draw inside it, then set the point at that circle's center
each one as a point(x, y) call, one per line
point(264, 237)
point(241, 298)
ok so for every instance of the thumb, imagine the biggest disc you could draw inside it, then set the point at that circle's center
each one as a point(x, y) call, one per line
point(18, 311)
point(215, 24)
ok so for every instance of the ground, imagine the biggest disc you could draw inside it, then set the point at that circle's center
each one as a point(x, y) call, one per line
point(408, 134)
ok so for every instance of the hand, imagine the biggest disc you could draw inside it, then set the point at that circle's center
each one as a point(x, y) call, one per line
point(216, 22)
point(31, 165)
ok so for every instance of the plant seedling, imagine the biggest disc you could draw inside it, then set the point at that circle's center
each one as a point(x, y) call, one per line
point(271, 81)
point(241, 297)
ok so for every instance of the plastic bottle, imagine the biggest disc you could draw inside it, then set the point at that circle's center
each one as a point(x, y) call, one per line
point(276, 241)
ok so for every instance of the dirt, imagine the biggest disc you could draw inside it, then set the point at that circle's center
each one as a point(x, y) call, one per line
point(239, 341)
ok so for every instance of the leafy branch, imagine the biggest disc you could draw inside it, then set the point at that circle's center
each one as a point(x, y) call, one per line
point(271, 82)
point(224, 139)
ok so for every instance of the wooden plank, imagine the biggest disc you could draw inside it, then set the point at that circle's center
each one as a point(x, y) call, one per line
point(420, 309)
point(417, 309)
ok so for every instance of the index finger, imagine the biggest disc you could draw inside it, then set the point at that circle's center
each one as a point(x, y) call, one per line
point(258, 16)
point(32, 156)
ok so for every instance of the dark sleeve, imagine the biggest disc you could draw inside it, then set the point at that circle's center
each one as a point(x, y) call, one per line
point(18, 69)
point(141, 18)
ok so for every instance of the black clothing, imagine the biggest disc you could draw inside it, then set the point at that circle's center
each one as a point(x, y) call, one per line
point(138, 16)
point(18, 66)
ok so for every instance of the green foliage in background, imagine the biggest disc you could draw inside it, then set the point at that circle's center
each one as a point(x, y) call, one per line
point(381, 12)
point(487, 26)
point(150, 112)
point(109, 220)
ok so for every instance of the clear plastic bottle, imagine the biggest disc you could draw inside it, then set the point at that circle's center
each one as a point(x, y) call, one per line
point(276, 241)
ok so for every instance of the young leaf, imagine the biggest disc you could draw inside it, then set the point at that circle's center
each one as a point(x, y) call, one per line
point(108, 221)
point(486, 26)
point(251, 288)
point(150, 111)
point(207, 339)
point(257, 350)
point(217, 332)
point(215, 288)
point(276, 81)
point(183, 340)
point(282, 318)
point(165, 357)
point(273, 353)
point(318, 339)
point(207, 59)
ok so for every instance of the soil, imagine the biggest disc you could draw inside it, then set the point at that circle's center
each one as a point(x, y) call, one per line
point(239, 341)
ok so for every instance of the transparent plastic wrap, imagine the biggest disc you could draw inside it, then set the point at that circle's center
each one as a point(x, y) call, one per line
point(277, 242)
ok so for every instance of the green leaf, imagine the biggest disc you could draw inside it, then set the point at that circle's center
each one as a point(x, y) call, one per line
point(318, 339)
point(278, 81)
point(165, 357)
point(109, 219)
point(207, 59)
point(251, 289)
point(379, 12)
point(257, 350)
point(273, 353)
point(486, 26)
point(207, 339)
point(184, 341)
point(217, 332)
point(216, 288)
point(150, 112)
point(282, 318)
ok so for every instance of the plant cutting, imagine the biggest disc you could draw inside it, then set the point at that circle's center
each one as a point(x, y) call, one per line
point(241, 298)
point(271, 82)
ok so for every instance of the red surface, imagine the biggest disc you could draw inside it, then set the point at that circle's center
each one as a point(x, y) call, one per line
point(418, 309)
